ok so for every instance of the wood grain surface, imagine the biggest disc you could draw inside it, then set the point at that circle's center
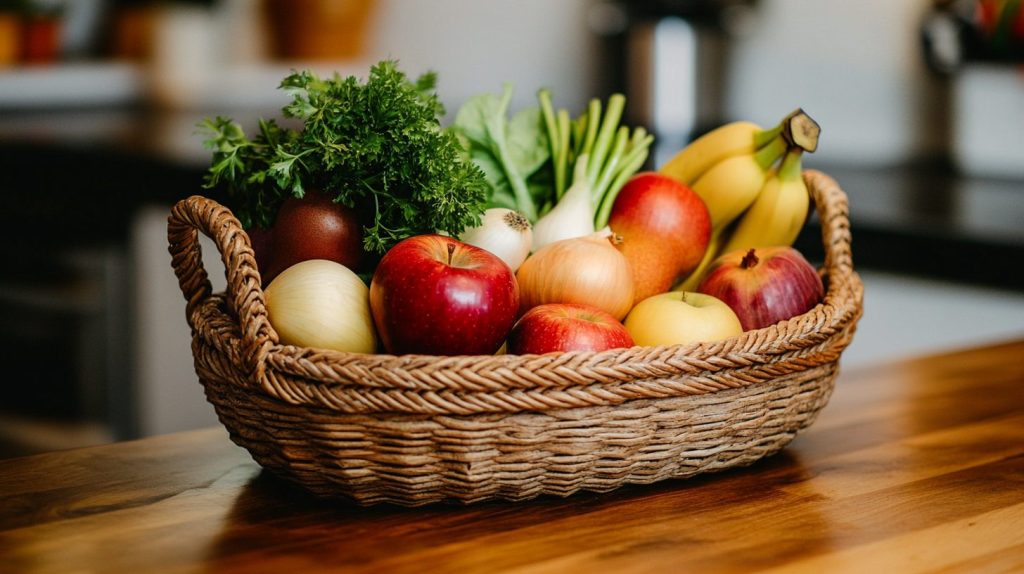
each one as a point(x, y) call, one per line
point(916, 466)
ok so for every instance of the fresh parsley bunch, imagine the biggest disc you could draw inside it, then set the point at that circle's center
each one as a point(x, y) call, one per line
point(376, 146)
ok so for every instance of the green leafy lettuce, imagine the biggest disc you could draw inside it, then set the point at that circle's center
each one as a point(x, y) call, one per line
point(511, 152)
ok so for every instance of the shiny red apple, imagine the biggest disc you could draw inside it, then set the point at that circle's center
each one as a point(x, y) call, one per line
point(764, 286)
point(313, 227)
point(665, 227)
point(566, 327)
point(435, 295)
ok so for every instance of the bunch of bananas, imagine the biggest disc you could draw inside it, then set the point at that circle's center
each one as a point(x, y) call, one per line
point(751, 181)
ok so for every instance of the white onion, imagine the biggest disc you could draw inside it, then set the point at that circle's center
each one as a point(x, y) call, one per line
point(322, 304)
point(503, 232)
point(572, 216)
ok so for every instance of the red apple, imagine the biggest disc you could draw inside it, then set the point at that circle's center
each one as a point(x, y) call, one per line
point(566, 327)
point(314, 227)
point(764, 286)
point(665, 227)
point(436, 295)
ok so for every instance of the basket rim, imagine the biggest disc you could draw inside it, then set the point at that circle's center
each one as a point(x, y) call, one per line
point(340, 380)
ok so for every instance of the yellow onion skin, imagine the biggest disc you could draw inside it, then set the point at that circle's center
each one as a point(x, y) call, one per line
point(322, 304)
point(585, 270)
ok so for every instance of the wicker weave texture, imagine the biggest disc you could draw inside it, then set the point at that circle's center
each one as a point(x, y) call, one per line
point(417, 429)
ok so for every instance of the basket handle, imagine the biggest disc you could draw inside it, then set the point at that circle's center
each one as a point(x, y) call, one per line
point(833, 210)
point(245, 295)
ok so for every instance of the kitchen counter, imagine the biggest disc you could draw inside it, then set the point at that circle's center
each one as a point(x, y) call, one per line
point(927, 219)
point(914, 466)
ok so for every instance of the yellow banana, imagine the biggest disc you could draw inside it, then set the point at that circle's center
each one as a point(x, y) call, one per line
point(749, 200)
point(732, 185)
point(693, 279)
point(729, 140)
point(779, 212)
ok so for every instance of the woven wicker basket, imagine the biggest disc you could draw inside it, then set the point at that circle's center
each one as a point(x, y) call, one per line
point(418, 429)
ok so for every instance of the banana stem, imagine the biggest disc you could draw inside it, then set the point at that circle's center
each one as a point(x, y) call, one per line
point(770, 153)
point(801, 130)
point(765, 137)
point(692, 281)
point(791, 167)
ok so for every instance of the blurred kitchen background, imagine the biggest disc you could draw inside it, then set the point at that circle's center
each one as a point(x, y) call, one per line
point(921, 104)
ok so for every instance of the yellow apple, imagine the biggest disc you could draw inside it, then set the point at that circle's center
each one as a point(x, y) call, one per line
point(681, 317)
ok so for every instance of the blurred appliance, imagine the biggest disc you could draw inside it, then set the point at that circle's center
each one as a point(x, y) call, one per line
point(673, 56)
point(64, 342)
point(978, 46)
point(68, 322)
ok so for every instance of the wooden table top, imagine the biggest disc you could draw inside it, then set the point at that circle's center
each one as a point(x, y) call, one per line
point(916, 466)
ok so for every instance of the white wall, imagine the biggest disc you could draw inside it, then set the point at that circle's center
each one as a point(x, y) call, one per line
point(856, 67)
point(477, 46)
point(169, 395)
